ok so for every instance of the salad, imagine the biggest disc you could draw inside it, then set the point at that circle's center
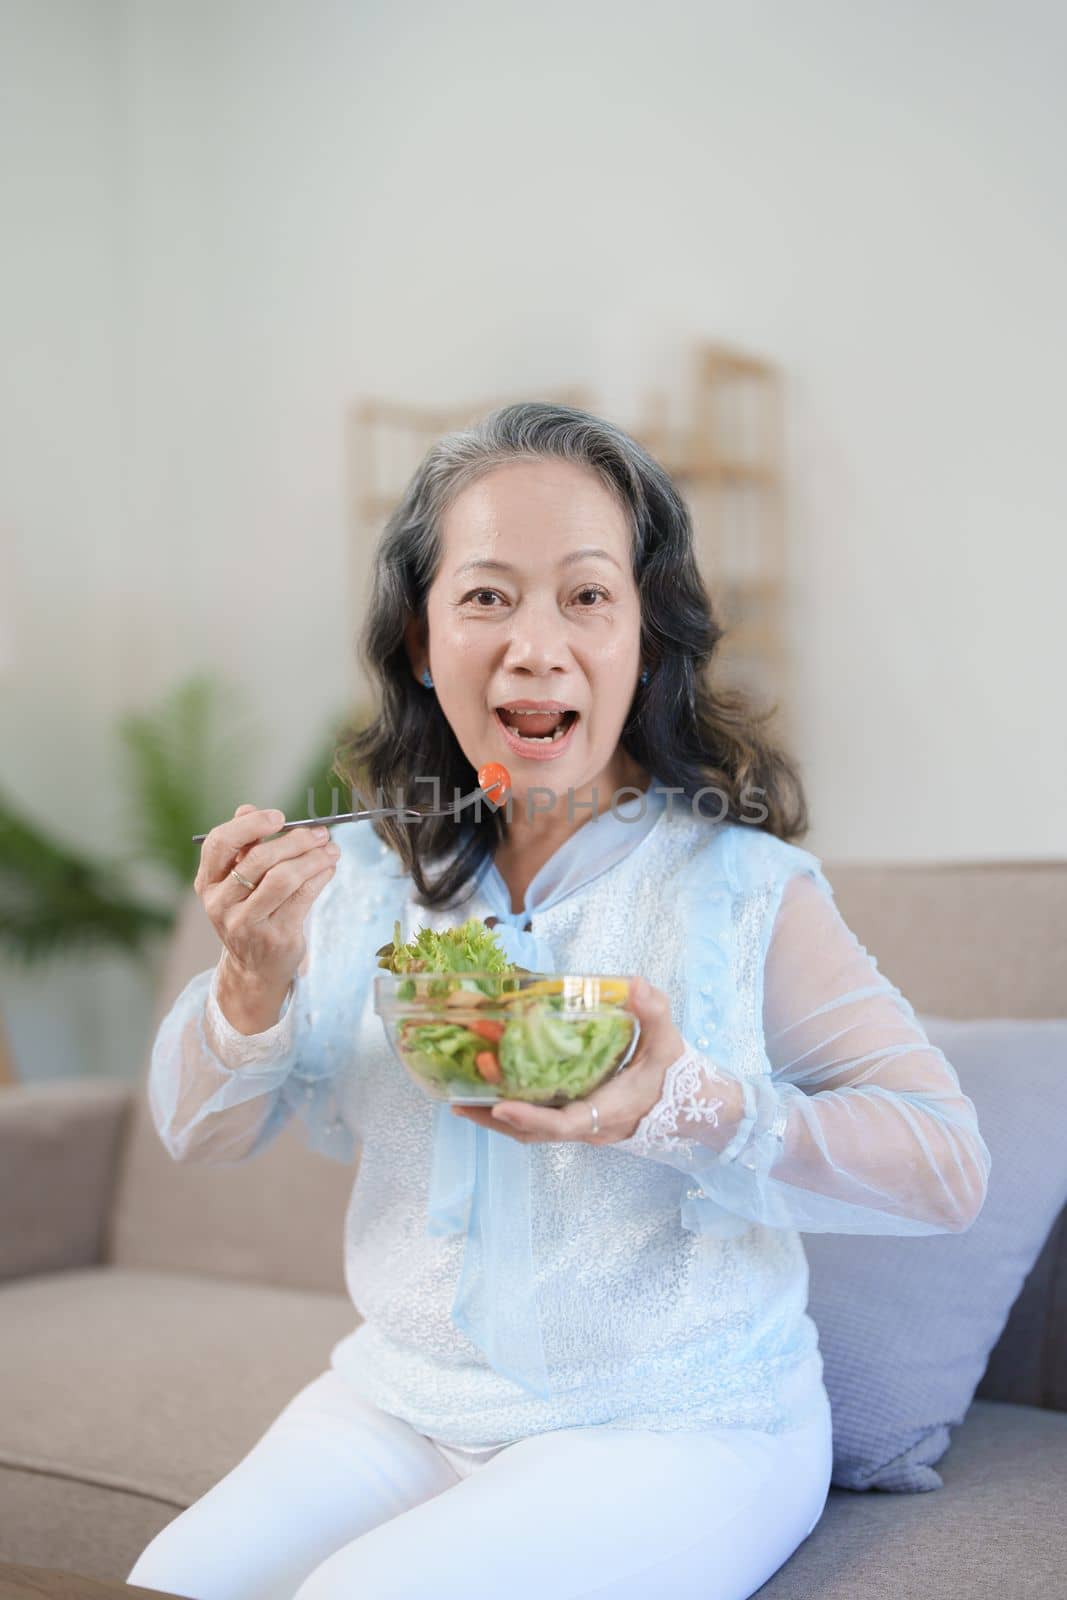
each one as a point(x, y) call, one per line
point(467, 1017)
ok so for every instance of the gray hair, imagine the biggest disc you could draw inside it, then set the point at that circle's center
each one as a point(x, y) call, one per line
point(528, 430)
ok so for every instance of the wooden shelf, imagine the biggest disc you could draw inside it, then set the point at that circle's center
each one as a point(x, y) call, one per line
point(389, 438)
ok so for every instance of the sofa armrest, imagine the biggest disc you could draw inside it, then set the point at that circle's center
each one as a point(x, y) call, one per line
point(59, 1148)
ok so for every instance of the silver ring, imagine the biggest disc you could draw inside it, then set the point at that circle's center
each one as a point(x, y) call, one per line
point(235, 874)
point(596, 1116)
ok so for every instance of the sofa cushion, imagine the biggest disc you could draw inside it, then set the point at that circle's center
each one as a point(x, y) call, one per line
point(995, 1529)
point(59, 1147)
point(152, 1383)
point(104, 1438)
point(275, 1219)
point(906, 1325)
point(62, 1523)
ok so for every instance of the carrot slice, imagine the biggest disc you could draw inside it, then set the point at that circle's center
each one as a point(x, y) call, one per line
point(488, 1066)
point(486, 1028)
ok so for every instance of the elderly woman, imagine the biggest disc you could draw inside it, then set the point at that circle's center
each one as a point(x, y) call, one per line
point(583, 1363)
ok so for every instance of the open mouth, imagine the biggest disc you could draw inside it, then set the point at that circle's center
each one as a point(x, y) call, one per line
point(537, 727)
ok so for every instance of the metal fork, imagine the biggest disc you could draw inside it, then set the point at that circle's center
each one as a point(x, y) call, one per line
point(409, 813)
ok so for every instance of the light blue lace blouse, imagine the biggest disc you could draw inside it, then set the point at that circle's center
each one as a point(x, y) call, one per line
point(657, 1282)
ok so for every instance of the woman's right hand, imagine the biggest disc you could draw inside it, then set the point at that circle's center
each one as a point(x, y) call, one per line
point(261, 929)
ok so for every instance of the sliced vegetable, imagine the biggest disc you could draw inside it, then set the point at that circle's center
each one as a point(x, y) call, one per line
point(487, 1028)
point(488, 1066)
point(544, 1046)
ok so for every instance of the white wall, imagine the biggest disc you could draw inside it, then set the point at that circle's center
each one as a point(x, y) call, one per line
point(241, 216)
point(64, 336)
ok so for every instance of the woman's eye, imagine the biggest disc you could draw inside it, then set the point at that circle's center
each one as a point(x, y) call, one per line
point(592, 591)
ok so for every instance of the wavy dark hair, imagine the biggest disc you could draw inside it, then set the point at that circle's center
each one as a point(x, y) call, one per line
point(688, 733)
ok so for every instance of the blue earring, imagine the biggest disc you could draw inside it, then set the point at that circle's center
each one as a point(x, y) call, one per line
point(644, 675)
point(427, 680)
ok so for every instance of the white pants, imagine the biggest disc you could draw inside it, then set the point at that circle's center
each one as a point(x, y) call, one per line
point(339, 1500)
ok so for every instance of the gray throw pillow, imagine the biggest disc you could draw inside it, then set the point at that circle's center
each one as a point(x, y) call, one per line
point(906, 1325)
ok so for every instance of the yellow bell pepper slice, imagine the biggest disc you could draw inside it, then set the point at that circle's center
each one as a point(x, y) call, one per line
point(612, 991)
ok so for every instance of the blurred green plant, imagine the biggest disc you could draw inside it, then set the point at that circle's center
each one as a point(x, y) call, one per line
point(183, 761)
point(54, 900)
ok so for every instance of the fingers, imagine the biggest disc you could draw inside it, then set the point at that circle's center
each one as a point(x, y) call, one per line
point(290, 868)
point(260, 856)
point(485, 1119)
point(573, 1121)
point(223, 844)
point(659, 1033)
point(531, 1124)
point(317, 868)
point(621, 1102)
point(646, 1001)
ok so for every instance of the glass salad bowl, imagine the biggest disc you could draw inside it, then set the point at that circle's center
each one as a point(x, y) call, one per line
point(472, 1038)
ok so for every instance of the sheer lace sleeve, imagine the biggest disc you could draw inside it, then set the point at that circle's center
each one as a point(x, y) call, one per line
point(219, 1096)
point(861, 1125)
point(235, 1049)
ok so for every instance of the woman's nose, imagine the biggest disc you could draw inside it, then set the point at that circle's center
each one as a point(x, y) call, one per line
point(537, 654)
point(537, 639)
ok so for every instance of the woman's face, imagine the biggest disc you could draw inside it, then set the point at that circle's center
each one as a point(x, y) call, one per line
point(535, 600)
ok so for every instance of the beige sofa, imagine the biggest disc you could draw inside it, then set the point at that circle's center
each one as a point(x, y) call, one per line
point(154, 1317)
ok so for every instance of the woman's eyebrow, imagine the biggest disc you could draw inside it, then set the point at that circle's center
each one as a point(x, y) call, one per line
point(485, 564)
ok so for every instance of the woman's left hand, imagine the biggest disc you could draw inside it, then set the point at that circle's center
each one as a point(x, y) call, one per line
point(621, 1102)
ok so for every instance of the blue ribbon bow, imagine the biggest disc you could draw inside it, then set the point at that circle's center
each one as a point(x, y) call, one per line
point(480, 1185)
point(480, 1180)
